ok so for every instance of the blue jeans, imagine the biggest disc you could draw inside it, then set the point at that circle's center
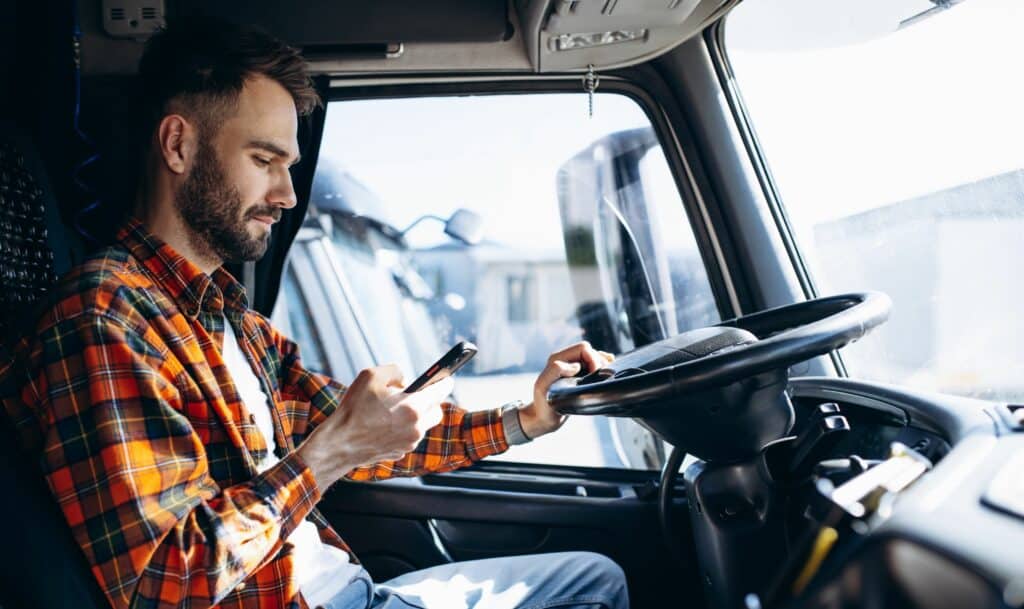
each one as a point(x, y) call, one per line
point(564, 580)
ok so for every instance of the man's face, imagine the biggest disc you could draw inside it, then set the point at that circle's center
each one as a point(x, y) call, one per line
point(238, 183)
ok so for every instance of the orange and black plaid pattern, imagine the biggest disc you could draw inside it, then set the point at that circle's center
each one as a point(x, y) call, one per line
point(123, 394)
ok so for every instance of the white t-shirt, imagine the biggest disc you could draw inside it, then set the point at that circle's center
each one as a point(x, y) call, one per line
point(322, 570)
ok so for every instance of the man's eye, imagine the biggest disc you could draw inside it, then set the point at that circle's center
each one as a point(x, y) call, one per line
point(261, 161)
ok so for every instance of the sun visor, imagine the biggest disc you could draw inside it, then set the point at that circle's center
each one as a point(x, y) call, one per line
point(332, 23)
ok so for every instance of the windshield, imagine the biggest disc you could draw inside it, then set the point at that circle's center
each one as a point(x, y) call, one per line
point(898, 159)
point(517, 221)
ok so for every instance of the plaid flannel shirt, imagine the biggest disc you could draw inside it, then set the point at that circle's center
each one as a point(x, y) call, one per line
point(146, 446)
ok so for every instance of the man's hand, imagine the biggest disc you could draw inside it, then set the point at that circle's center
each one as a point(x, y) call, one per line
point(376, 421)
point(538, 418)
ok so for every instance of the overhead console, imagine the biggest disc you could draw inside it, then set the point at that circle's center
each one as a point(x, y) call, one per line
point(564, 35)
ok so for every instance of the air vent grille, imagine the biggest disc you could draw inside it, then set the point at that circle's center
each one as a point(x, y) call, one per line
point(136, 19)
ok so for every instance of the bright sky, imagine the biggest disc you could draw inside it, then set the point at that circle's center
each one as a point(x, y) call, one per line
point(926, 108)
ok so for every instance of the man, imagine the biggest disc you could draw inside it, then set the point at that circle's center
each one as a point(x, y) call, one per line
point(178, 430)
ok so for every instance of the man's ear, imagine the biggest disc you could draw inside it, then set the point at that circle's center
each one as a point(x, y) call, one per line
point(176, 142)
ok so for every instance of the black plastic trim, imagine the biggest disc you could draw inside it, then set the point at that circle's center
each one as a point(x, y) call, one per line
point(405, 498)
point(329, 22)
point(601, 474)
point(950, 417)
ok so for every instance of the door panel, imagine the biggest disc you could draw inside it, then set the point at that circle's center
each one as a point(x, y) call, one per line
point(400, 525)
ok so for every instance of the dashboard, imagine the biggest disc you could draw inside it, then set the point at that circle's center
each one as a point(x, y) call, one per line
point(872, 432)
point(952, 538)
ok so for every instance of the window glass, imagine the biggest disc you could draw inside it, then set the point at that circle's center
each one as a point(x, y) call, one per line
point(390, 296)
point(292, 316)
point(898, 158)
point(571, 228)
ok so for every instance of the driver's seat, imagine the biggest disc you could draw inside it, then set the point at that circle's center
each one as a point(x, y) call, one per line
point(41, 565)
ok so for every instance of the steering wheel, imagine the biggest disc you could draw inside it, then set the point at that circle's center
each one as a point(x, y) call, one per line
point(719, 392)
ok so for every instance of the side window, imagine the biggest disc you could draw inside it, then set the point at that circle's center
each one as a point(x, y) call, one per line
point(516, 222)
point(293, 317)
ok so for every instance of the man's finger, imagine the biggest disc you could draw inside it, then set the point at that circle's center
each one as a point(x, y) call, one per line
point(580, 352)
point(592, 358)
point(432, 394)
point(556, 370)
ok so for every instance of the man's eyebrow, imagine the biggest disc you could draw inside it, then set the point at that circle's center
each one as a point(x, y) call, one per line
point(273, 148)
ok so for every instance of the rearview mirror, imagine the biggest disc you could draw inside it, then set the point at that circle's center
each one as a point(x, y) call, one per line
point(466, 226)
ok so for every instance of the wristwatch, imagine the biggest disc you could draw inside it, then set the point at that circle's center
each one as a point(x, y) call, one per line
point(514, 433)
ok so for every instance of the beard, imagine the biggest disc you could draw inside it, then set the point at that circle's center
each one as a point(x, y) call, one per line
point(214, 214)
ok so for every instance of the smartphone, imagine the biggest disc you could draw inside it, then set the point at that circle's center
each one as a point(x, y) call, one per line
point(456, 357)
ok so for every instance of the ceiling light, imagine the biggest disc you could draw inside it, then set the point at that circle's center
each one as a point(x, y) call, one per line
point(569, 42)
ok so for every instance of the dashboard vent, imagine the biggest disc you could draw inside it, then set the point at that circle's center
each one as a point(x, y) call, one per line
point(117, 14)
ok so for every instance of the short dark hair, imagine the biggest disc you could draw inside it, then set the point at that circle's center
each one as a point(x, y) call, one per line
point(198, 66)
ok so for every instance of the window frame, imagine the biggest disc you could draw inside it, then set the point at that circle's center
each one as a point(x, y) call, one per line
point(327, 300)
point(714, 38)
point(299, 301)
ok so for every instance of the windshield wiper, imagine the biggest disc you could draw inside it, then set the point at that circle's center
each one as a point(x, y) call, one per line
point(940, 5)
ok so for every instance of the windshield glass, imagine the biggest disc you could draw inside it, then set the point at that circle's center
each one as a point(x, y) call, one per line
point(898, 156)
point(521, 223)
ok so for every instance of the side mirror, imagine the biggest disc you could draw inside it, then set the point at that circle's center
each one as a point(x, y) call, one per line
point(466, 226)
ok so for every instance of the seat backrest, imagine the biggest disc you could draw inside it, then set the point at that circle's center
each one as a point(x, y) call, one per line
point(41, 565)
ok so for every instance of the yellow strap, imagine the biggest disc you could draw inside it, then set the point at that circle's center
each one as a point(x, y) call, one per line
point(827, 537)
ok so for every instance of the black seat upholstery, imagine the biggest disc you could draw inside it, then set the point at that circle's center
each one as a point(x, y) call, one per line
point(41, 565)
point(26, 261)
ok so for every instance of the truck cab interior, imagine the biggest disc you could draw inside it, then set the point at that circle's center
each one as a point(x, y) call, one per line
point(794, 222)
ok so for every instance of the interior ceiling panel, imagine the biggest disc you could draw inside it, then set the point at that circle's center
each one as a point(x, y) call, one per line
point(458, 36)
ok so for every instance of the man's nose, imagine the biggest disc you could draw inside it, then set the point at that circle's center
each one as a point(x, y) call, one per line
point(283, 193)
